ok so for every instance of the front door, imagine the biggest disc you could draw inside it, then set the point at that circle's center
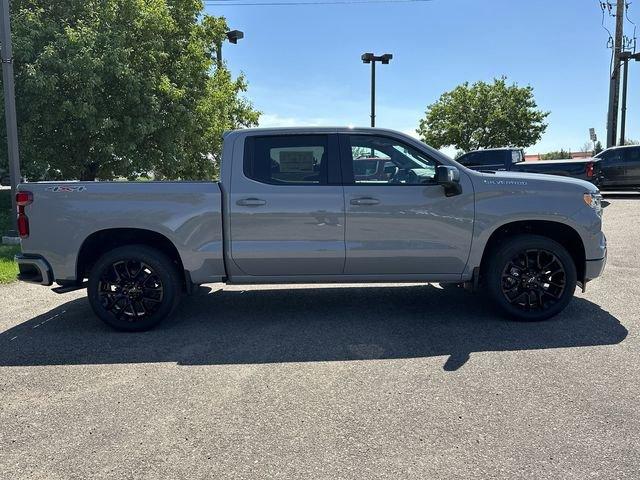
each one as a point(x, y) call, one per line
point(402, 222)
point(287, 207)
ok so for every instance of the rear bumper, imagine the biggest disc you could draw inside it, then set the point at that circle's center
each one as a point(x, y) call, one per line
point(34, 269)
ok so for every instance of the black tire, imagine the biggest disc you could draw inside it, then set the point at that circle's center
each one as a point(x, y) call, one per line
point(133, 288)
point(531, 277)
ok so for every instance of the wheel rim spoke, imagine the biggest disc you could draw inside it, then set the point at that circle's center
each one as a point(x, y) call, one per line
point(130, 290)
point(533, 280)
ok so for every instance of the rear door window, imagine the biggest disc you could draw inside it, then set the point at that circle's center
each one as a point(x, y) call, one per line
point(631, 155)
point(483, 158)
point(287, 159)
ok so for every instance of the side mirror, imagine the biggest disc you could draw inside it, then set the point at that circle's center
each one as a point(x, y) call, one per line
point(449, 178)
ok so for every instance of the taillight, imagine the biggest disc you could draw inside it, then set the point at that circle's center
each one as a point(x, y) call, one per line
point(23, 225)
point(589, 169)
point(22, 200)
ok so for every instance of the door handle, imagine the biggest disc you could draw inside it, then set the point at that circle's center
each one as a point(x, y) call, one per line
point(365, 201)
point(251, 202)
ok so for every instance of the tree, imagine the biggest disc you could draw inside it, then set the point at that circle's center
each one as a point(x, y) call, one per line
point(121, 88)
point(561, 154)
point(598, 148)
point(484, 115)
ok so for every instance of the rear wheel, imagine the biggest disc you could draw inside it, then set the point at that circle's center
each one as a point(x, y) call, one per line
point(531, 277)
point(133, 288)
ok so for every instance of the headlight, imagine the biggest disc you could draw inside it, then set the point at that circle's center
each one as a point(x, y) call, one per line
point(594, 200)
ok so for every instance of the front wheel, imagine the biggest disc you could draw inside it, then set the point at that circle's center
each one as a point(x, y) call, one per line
point(531, 277)
point(133, 288)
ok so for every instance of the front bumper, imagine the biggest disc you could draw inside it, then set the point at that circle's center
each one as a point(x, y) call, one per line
point(34, 269)
point(594, 268)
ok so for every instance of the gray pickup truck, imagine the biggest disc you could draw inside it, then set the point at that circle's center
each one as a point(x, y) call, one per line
point(314, 205)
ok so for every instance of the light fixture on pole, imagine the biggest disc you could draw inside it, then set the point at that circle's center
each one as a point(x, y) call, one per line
point(372, 59)
point(233, 36)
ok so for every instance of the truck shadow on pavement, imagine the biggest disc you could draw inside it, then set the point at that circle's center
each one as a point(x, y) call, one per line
point(305, 325)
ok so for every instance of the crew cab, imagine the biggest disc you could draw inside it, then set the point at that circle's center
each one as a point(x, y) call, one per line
point(300, 205)
point(619, 168)
point(512, 159)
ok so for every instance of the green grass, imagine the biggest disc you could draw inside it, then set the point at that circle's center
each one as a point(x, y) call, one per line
point(5, 211)
point(8, 268)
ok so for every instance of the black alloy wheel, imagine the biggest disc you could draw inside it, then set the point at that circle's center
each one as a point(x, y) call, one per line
point(534, 279)
point(133, 288)
point(530, 277)
point(130, 290)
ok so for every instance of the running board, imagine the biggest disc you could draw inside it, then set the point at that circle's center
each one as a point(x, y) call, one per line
point(69, 288)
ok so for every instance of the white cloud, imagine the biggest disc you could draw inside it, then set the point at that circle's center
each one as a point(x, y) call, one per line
point(275, 120)
point(411, 132)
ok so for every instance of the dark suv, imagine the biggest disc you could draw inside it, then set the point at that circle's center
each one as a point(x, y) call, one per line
point(619, 168)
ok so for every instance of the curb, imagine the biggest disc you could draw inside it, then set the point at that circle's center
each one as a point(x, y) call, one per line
point(11, 240)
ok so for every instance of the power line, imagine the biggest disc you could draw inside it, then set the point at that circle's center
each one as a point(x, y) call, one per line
point(311, 2)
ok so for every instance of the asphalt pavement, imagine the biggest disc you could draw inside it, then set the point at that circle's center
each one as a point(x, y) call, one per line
point(307, 381)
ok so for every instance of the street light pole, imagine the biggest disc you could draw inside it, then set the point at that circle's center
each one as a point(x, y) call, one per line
point(372, 59)
point(373, 94)
point(233, 36)
point(10, 105)
point(625, 57)
point(623, 117)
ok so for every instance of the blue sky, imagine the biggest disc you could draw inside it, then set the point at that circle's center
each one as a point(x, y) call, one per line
point(303, 62)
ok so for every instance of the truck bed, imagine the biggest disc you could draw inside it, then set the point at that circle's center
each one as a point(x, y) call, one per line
point(67, 216)
point(583, 168)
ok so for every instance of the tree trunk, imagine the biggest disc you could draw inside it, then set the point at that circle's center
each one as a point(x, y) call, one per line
point(89, 173)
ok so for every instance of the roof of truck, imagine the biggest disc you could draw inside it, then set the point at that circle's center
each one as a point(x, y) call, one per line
point(317, 129)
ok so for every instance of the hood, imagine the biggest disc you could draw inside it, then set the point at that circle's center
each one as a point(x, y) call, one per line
point(515, 178)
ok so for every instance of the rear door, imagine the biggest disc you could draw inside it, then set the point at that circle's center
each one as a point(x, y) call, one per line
point(631, 157)
point(402, 223)
point(286, 206)
point(613, 168)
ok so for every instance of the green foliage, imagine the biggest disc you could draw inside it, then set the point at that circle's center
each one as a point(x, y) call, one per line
point(484, 115)
point(561, 154)
point(8, 268)
point(6, 214)
point(598, 148)
point(630, 141)
point(120, 88)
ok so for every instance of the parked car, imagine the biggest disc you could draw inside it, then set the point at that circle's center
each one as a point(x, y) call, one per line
point(289, 207)
point(619, 168)
point(512, 159)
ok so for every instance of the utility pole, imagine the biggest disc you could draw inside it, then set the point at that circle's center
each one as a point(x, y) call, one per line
point(10, 105)
point(625, 57)
point(372, 59)
point(614, 85)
